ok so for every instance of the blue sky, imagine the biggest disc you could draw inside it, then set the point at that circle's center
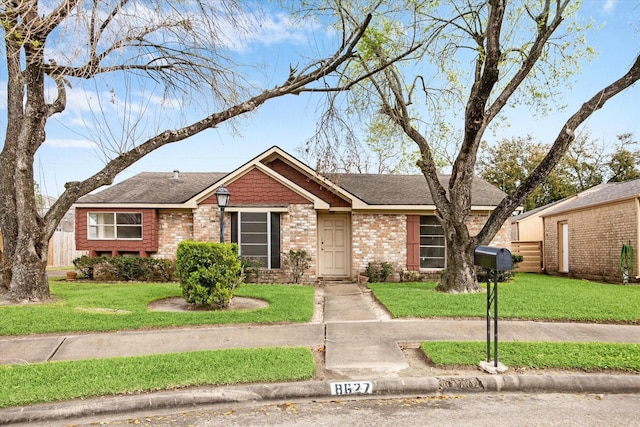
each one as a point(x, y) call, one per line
point(288, 122)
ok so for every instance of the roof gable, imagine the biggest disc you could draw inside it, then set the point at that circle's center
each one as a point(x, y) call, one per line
point(255, 187)
point(318, 189)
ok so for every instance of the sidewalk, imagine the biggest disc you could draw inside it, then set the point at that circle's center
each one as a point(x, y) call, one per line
point(361, 342)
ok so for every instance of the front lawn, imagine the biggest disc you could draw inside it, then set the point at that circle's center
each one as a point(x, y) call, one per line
point(110, 307)
point(529, 296)
point(538, 355)
point(56, 381)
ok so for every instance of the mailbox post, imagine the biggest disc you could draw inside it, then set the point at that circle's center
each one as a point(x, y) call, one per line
point(493, 260)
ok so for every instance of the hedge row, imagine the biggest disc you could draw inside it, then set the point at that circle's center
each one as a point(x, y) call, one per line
point(127, 268)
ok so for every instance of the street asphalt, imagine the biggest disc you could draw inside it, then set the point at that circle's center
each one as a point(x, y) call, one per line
point(361, 343)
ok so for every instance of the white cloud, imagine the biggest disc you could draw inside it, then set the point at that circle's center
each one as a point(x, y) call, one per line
point(69, 143)
point(267, 30)
point(609, 5)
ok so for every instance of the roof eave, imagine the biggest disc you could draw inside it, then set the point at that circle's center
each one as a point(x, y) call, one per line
point(134, 205)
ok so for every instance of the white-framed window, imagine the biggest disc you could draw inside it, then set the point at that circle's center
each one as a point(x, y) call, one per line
point(258, 236)
point(432, 244)
point(114, 226)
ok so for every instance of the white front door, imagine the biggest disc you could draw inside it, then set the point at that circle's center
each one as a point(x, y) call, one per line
point(334, 239)
point(563, 248)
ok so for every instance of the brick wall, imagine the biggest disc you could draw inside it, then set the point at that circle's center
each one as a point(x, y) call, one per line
point(299, 230)
point(378, 237)
point(206, 224)
point(502, 238)
point(144, 247)
point(596, 236)
point(382, 237)
point(174, 226)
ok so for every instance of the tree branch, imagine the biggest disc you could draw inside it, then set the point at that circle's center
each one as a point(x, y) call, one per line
point(75, 190)
point(504, 210)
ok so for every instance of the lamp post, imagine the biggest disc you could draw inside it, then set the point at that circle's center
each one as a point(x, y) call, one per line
point(222, 196)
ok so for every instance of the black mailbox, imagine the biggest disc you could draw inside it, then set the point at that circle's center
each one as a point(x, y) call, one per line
point(494, 258)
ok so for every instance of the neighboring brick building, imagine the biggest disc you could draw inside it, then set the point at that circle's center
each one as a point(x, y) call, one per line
point(583, 237)
point(278, 203)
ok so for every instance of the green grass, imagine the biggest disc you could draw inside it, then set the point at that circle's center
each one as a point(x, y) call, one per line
point(529, 296)
point(543, 355)
point(287, 303)
point(57, 381)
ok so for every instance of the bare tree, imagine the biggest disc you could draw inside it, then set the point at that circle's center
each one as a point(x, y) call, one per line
point(177, 45)
point(518, 52)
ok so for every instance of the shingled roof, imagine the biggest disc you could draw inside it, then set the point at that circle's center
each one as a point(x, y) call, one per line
point(600, 194)
point(164, 189)
point(409, 189)
point(156, 188)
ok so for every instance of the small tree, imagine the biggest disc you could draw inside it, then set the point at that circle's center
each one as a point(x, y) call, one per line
point(208, 272)
point(296, 262)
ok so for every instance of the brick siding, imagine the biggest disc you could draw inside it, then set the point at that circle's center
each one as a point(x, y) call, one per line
point(596, 236)
point(299, 230)
point(378, 237)
point(174, 226)
point(383, 237)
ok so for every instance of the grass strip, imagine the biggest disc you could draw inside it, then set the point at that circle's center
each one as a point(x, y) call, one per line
point(529, 296)
point(59, 381)
point(125, 307)
point(539, 355)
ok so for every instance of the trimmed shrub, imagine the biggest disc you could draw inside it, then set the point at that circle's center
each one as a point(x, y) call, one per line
point(296, 262)
point(86, 265)
point(209, 272)
point(125, 268)
point(250, 269)
point(130, 268)
point(378, 271)
point(162, 269)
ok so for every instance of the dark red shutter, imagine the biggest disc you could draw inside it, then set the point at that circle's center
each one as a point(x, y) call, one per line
point(413, 242)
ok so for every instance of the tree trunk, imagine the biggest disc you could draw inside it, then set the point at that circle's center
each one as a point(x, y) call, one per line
point(24, 263)
point(460, 273)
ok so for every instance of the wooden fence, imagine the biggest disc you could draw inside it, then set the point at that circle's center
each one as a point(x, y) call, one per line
point(533, 261)
point(62, 249)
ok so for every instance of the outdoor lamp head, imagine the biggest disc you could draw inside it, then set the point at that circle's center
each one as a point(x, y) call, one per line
point(222, 196)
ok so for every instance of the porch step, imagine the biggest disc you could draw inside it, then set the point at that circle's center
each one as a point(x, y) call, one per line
point(335, 281)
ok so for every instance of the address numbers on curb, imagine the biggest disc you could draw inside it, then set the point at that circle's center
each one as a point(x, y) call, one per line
point(351, 387)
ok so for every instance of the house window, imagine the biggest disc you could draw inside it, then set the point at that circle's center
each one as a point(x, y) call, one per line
point(432, 245)
point(258, 236)
point(115, 226)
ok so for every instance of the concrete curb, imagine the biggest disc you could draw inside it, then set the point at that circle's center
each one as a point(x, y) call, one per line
point(320, 389)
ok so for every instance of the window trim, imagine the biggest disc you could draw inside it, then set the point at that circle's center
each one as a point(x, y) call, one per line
point(115, 225)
